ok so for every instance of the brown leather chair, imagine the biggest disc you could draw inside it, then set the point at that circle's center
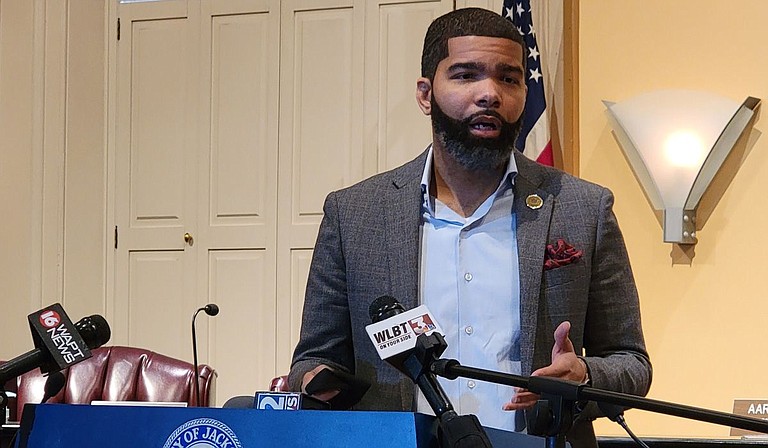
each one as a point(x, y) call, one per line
point(121, 374)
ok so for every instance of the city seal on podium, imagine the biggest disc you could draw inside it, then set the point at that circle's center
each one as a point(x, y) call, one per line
point(203, 433)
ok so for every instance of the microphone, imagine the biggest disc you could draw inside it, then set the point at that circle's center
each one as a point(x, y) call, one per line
point(53, 385)
point(94, 330)
point(410, 341)
point(211, 309)
point(394, 332)
point(58, 343)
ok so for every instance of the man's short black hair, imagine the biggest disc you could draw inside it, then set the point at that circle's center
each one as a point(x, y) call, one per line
point(463, 22)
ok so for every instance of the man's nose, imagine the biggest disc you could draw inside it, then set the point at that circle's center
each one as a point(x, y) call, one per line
point(488, 95)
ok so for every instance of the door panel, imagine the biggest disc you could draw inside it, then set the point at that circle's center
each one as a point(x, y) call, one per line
point(155, 171)
point(395, 33)
point(321, 103)
point(238, 191)
point(158, 300)
point(241, 139)
point(243, 335)
point(321, 117)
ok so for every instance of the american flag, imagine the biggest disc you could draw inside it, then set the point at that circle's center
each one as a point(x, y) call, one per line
point(534, 139)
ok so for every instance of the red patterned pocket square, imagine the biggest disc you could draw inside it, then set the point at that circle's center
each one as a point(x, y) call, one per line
point(560, 254)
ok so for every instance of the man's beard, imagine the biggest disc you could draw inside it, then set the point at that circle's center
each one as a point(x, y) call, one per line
point(474, 153)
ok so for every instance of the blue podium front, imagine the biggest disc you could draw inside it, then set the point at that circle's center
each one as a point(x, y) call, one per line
point(85, 426)
point(59, 425)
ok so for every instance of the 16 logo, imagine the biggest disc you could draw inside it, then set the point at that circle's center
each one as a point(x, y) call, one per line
point(50, 319)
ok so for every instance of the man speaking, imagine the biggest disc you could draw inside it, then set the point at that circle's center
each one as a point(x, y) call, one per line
point(523, 266)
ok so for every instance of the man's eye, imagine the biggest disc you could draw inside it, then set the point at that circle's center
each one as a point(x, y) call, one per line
point(511, 80)
point(465, 76)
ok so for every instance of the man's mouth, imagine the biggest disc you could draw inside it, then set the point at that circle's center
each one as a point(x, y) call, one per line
point(485, 124)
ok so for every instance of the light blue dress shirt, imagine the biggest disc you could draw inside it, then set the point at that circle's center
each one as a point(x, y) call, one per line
point(470, 282)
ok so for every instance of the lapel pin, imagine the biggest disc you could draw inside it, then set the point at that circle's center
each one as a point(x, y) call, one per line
point(534, 202)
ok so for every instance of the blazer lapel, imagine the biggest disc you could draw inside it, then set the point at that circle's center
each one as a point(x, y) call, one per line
point(403, 225)
point(532, 234)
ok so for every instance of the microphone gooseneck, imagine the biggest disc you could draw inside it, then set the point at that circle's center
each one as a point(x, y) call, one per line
point(210, 309)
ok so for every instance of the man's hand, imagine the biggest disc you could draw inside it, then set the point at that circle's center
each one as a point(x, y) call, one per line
point(565, 365)
point(324, 395)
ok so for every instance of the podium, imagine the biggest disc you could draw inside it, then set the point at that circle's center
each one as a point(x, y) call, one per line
point(138, 426)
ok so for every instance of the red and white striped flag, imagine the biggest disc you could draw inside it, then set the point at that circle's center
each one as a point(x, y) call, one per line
point(534, 139)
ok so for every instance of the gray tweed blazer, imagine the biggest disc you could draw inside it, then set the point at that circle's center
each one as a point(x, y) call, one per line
point(368, 246)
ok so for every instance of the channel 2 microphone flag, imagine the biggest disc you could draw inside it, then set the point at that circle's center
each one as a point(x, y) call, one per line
point(534, 139)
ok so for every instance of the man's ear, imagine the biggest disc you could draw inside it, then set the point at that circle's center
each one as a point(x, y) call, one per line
point(424, 95)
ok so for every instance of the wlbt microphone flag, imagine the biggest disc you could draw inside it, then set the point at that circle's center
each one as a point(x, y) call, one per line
point(397, 334)
point(410, 341)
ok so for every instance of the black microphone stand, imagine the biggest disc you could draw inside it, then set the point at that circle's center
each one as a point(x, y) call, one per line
point(3, 405)
point(552, 416)
point(194, 359)
point(456, 431)
point(211, 309)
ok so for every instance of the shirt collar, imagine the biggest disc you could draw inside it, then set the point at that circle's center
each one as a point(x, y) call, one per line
point(507, 181)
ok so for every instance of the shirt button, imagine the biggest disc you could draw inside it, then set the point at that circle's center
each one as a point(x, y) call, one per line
point(468, 277)
point(471, 384)
point(468, 329)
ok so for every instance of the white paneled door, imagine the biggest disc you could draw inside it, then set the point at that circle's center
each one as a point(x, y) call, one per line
point(196, 183)
point(156, 172)
point(238, 190)
point(233, 120)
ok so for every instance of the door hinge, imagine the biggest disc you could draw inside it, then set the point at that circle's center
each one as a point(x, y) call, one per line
point(115, 237)
point(118, 28)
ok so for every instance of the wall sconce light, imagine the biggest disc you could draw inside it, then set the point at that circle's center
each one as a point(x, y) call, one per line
point(676, 141)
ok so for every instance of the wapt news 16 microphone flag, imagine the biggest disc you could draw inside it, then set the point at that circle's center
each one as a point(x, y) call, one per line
point(54, 333)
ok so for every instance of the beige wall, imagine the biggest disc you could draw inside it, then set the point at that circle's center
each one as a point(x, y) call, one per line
point(84, 217)
point(19, 197)
point(704, 323)
point(52, 153)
